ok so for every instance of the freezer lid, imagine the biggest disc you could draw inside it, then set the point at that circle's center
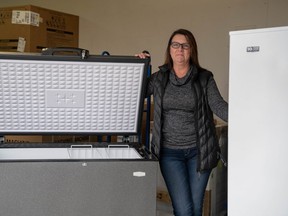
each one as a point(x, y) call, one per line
point(42, 94)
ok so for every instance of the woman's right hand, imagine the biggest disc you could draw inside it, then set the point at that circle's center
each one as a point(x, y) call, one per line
point(143, 55)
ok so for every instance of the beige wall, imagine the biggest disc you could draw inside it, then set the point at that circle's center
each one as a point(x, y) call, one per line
point(125, 27)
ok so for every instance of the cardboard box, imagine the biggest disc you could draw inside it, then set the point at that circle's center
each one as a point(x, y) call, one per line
point(113, 139)
point(44, 138)
point(56, 139)
point(30, 28)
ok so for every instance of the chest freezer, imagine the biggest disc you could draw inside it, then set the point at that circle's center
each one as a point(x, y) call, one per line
point(42, 94)
point(75, 181)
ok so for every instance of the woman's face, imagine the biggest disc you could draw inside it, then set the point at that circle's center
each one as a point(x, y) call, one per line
point(180, 49)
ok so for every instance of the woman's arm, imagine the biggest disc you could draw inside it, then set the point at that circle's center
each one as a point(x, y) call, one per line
point(217, 104)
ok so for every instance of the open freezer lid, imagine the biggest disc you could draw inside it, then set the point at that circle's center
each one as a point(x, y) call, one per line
point(67, 94)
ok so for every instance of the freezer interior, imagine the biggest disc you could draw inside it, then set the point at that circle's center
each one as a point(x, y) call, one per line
point(74, 152)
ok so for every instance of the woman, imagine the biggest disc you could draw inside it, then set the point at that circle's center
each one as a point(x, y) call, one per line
point(184, 137)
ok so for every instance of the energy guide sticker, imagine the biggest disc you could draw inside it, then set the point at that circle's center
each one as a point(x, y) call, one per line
point(25, 17)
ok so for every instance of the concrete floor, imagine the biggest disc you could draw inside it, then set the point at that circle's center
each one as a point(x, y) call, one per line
point(164, 209)
point(161, 213)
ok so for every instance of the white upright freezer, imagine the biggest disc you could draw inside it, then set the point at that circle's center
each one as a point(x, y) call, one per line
point(258, 122)
point(74, 95)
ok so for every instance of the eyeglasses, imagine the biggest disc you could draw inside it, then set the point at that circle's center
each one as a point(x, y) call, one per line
point(177, 45)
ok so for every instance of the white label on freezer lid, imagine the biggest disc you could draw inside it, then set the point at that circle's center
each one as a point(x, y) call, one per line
point(65, 98)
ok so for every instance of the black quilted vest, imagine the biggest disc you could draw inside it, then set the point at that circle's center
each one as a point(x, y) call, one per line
point(207, 142)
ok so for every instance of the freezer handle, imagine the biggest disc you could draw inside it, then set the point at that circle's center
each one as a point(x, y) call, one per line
point(81, 146)
point(83, 53)
point(118, 146)
point(80, 151)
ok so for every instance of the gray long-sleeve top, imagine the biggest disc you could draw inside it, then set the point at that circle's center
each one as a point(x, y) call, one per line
point(178, 109)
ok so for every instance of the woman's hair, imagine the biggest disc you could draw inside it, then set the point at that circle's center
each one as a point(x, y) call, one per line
point(193, 51)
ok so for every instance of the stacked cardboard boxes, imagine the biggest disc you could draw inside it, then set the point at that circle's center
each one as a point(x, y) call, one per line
point(30, 28)
point(56, 138)
point(45, 138)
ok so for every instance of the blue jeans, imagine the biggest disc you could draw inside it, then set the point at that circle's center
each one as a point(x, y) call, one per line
point(185, 185)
